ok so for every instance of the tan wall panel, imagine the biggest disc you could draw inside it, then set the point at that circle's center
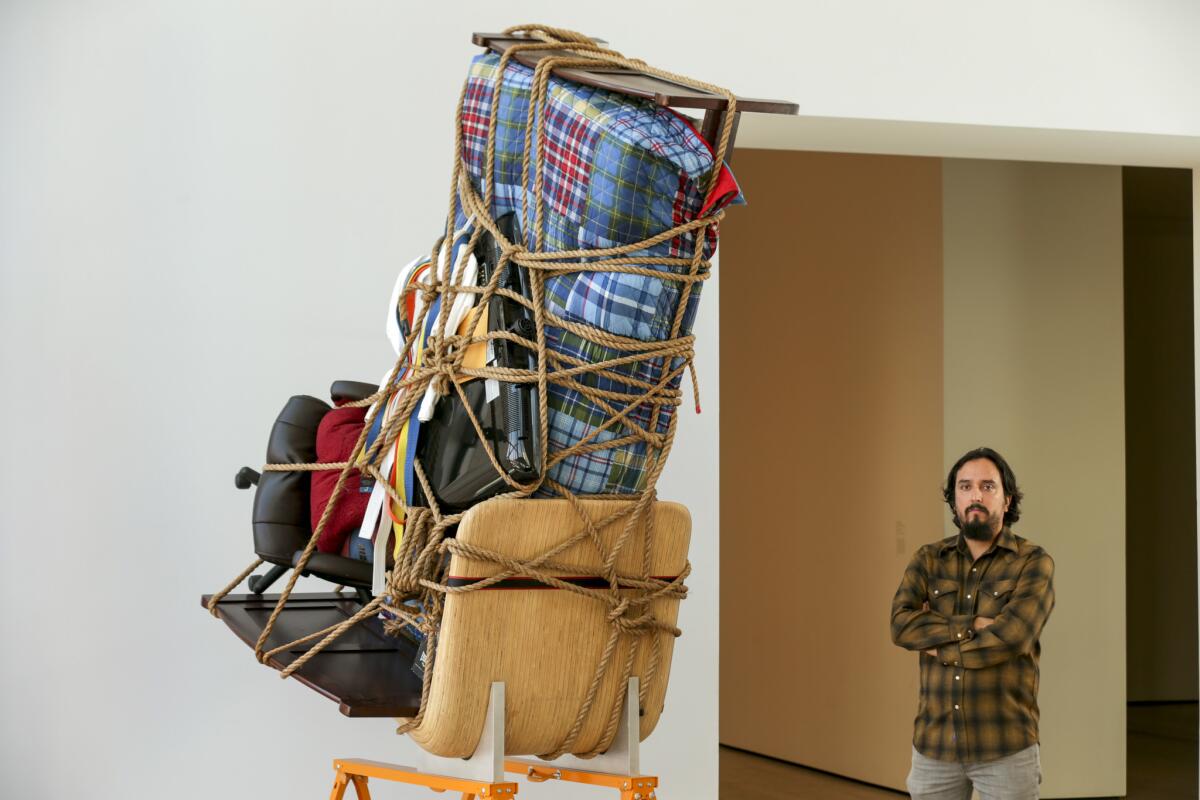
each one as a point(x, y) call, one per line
point(1034, 366)
point(831, 451)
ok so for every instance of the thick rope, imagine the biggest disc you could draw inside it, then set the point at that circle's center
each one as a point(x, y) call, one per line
point(315, 467)
point(422, 558)
point(233, 584)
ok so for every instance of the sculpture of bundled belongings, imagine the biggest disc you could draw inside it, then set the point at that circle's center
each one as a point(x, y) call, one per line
point(515, 445)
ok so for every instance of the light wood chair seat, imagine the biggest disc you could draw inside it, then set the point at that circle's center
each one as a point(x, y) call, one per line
point(544, 643)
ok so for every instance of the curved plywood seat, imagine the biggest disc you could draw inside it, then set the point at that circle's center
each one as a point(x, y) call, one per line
point(544, 643)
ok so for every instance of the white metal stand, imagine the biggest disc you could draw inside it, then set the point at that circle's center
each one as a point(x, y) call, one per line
point(487, 763)
point(481, 777)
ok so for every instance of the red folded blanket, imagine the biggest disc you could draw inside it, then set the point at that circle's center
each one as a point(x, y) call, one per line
point(336, 435)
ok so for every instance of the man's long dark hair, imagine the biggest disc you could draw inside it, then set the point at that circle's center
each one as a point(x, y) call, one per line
point(1007, 479)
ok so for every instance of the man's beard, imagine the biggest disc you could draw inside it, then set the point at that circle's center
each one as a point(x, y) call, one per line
point(977, 529)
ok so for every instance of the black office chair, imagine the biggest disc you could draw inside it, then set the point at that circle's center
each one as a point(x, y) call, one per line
point(281, 520)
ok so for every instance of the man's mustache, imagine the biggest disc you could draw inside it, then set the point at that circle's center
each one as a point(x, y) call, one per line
point(975, 507)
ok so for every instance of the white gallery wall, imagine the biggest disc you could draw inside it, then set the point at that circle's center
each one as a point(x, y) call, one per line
point(202, 208)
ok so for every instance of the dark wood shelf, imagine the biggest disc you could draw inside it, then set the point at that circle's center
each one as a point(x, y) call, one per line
point(631, 82)
point(635, 83)
point(366, 672)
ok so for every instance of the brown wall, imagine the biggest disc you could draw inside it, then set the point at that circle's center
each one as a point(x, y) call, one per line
point(831, 451)
point(1160, 435)
point(843, 400)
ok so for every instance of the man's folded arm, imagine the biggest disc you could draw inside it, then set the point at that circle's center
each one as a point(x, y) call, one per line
point(1019, 624)
point(914, 626)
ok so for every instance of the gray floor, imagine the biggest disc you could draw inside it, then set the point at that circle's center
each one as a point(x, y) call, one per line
point(1163, 765)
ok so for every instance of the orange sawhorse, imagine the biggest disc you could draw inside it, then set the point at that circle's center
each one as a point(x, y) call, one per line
point(353, 771)
point(632, 787)
point(356, 771)
point(489, 765)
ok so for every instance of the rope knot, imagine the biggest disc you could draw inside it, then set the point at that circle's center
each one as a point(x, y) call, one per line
point(404, 584)
point(444, 379)
point(430, 291)
point(645, 622)
point(513, 249)
point(441, 357)
point(619, 616)
point(618, 611)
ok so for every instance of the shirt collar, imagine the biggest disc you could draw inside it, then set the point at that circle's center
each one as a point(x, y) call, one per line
point(1007, 539)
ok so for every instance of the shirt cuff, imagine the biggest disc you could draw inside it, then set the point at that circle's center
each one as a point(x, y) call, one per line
point(962, 628)
point(949, 655)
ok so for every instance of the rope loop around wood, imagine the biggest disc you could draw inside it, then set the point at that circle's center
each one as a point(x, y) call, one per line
point(418, 577)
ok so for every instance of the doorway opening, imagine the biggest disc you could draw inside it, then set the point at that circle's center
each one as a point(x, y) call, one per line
point(862, 293)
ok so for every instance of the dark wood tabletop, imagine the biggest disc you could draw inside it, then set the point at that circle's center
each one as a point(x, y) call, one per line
point(366, 672)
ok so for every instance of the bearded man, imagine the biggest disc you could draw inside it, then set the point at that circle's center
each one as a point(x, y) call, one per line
point(974, 606)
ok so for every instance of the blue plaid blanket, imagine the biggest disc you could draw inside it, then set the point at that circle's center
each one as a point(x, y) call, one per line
point(616, 172)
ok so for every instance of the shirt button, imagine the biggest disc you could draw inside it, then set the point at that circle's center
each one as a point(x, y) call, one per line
point(997, 594)
point(956, 706)
point(972, 569)
point(935, 591)
point(955, 677)
point(968, 597)
point(960, 636)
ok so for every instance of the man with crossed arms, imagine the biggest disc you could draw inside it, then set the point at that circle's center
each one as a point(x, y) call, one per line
point(973, 606)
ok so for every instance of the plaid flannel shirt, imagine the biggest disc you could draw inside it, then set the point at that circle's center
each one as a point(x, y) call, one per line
point(979, 694)
point(617, 171)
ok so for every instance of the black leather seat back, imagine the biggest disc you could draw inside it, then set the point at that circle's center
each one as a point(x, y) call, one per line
point(281, 504)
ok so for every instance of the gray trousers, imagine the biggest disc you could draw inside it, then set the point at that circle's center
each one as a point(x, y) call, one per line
point(1014, 777)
